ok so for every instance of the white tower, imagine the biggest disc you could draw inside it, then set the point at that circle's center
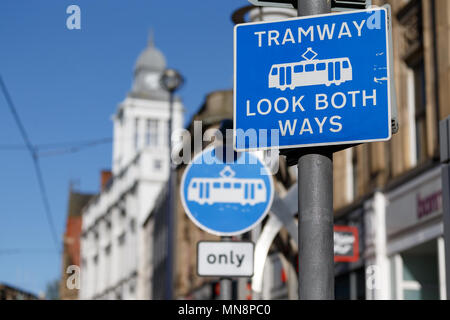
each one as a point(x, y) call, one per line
point(141, 121)
point(113, 242)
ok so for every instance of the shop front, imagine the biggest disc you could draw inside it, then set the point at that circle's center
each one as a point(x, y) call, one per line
point(414, 234)
point(350, 272)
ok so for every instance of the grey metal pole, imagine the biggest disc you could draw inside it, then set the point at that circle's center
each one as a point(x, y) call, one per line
point(313, 7)
point(170, 80)
point(226, 283)
point(170, 206)
point(315, 205)
point(225, 289)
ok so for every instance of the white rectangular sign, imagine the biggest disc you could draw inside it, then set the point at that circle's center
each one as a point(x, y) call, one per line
point(225, 258)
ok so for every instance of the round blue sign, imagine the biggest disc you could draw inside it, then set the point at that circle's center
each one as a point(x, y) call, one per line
point(226, 197)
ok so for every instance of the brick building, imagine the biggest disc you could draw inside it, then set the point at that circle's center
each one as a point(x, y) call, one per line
point(71, 248)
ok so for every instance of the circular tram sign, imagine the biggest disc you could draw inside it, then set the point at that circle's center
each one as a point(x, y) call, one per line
point(229, 197)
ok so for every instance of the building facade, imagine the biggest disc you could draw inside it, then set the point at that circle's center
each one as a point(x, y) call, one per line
point(71, 245)
point(397, 184)
point(11, 293)
point(113, 244)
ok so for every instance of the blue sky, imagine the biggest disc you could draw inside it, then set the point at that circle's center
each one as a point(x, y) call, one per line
point(66, 84)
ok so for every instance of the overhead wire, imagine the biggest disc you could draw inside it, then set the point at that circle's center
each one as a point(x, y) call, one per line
point(61, 147)
point(35, 160)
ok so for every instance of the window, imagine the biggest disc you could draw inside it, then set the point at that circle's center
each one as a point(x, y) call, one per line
point(157, 164)
point(415, 273)
point(237, 185)
point(345, 65)
point(120, 116)
point(274, 71)
point(298, 68)
point(351, 286)
point(309, 67)
point(216, 185)
point(320, 67)
point(151, 133)
point(354, 173)
point(108, 249)
point(420, 112)
point(121, 239)
point(413, 54)
point(227, 185)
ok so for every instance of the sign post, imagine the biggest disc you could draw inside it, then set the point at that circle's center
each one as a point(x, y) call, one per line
point(315, 208)
point(313, 86)
point(226, 283)
point(226, 193)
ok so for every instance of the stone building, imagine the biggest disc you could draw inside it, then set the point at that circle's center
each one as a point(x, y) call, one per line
point(393, 190)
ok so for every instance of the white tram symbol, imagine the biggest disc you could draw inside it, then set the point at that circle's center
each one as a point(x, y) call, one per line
point(227, 189)
point(310, 72)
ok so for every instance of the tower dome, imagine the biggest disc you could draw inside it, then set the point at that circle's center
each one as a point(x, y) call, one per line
point(147, 72)
point(151, 59)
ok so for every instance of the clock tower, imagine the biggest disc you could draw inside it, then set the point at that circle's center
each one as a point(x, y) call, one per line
point(141, 121)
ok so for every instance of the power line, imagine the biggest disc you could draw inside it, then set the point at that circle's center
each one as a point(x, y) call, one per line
point(73, 149)
point(16, 117)
point(35, 159)
point(72, 143)
point(78, 145)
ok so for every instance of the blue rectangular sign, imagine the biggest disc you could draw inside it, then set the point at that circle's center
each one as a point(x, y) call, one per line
point(312, 81)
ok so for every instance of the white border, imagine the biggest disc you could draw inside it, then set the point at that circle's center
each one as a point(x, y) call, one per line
point(215, 232)
point(226, 275)
point(324, 143)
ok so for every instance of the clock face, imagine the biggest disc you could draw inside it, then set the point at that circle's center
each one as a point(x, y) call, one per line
point(152, 81)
